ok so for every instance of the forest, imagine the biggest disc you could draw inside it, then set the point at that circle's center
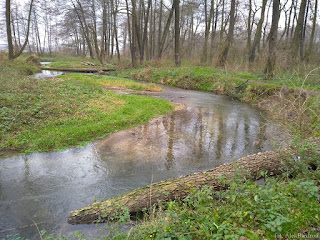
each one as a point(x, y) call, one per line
point(251, 34)
point(159, 119)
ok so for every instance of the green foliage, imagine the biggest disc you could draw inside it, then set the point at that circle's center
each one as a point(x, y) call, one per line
point(248, 210)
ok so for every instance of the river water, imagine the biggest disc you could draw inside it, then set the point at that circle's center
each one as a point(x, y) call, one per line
point(43, 188)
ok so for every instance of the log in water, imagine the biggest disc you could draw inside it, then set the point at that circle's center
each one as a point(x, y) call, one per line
point(82, 70)
point(177, 188)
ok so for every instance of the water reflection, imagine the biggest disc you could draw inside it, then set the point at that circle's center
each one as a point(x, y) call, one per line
point(44, 187)
point(47, 74)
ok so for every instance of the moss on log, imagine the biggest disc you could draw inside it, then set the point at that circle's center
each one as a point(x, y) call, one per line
point(178, 188)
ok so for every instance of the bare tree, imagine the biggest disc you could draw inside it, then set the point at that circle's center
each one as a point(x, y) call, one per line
point(225, 49)
point(208, 21)
point(177, 32)
point(12, 54)
point(298, 36)
point(257, 36)
point(314, 23)
point(269, 70)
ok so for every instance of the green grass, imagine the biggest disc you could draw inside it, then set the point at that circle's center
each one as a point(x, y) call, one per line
point(112, 82)
point(53, 114)
point(292, 80)
point(249, 210)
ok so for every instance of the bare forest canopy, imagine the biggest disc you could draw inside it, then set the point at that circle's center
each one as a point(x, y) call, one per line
point(209, 31)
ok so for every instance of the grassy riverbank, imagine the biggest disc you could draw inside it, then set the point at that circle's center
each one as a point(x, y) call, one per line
point(73, 106)
point(292, 98)
point(287, 206)
point(53, 114)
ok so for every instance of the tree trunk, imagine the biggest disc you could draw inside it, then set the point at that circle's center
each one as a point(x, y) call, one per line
point(11, 53)
point(225, 49)
point(160, 27)
point(104, 31)
point(145, 33)
point(213, 32)
point(222, 24)
point(204, 57)
point(298, 33)
point(165, 33)
point(249, 28)
point(289, 19)
point(94, 32)
point(133, 35)
point(9, 32)
point(84, 26)
point(114, 13)
point(257, 36)
point(314, 22)
point(178, 188)
point(273, 39)
point(177, 32)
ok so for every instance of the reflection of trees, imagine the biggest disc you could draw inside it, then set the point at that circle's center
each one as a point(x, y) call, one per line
point(235, 141)
point(220, 137)
point(201, 129)
point(27, 175)
point(170, 155)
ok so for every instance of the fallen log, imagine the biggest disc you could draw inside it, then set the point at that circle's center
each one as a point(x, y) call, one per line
point(178, 188)
point(80, 70)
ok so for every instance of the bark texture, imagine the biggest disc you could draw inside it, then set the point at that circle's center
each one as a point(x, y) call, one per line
point(177, 188)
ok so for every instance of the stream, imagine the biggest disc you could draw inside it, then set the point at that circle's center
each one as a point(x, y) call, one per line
point(43, 188)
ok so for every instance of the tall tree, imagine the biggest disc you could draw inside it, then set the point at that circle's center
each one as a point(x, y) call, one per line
point(177, 32)
point(297, 40)
point(314, 23)
point(84, 26)
point(165, 32)
point(257, 36)
point(271, 61)
point(208, 21)
point(12, 53)
point(114, 13)
point(225, 49)
point(145, 32)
